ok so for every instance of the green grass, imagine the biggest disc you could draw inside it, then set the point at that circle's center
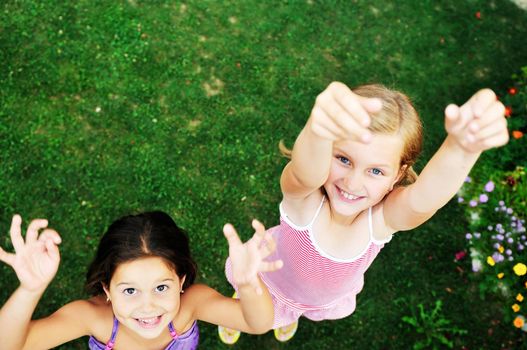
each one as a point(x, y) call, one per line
point(109, 108)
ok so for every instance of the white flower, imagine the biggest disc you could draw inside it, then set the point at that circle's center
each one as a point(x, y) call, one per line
point(474, 216)
point(476, 265)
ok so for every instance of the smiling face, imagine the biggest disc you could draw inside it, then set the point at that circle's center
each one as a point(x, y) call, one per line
point(362, 174)
point(145, 295)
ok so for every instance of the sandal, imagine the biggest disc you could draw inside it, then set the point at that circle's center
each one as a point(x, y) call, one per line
point(285, 333)
point(227, 335)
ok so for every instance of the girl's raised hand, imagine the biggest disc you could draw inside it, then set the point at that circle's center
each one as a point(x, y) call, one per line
point(248, 258)
point(479, 124)
point(36, 260)
point(339, 113)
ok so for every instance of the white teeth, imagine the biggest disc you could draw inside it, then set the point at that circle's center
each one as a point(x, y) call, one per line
point(347, 195)
point(148, 320)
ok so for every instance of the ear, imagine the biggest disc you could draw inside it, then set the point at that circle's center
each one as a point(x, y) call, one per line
point(106, 291)
point(182, 282)
point(402, 172)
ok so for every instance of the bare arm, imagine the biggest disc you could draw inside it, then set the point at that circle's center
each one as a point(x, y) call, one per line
point(35, 262)
point(478, 125)
point(253, 312)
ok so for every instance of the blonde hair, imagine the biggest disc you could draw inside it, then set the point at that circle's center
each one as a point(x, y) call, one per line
point(397, 117)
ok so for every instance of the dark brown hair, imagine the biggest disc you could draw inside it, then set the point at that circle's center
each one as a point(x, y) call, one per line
point(150, 234)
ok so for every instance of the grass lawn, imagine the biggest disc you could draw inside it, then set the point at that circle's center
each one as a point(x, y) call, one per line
point(113, 107)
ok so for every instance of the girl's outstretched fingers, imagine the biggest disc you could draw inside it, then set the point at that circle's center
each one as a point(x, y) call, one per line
point(16, 233)
point(248, 258)
point(479, 124)
point(36, 259)
point(230, 234)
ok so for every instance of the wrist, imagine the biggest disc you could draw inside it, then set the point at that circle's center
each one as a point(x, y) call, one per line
point(32, 291)
point(453, 144)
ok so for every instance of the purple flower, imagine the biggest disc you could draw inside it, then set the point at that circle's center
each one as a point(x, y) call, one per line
point(483, 198)
point(460, 199)
point(468, 236)
point(511, 258)
point(497, 257)
point(477, 234)
point(496, 245)
point(490, 228)
point(501, 203)
point(489, 187)
point(498, 226)
point(521, 246)
point(473, 203)
point(468, 179)
point(508, 252)
point(500, 237)
point(509, 210)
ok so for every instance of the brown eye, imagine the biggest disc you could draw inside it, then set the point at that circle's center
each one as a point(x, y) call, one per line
point(129, 291)
point(162, 288)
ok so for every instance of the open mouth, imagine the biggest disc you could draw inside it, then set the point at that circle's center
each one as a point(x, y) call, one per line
point(148, 323)
point(348, 197)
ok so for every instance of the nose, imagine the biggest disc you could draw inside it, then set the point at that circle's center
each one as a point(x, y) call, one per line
point(148, 303)
point(353, 180)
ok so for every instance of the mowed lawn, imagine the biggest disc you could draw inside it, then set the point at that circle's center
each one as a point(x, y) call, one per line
point(114, 107)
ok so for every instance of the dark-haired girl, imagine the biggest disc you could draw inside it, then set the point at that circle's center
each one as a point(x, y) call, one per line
point(141, 281)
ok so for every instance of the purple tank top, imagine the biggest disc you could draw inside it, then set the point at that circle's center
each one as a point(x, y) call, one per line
point(186, 341)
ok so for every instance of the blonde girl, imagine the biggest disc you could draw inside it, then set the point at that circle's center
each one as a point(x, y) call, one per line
point(350, 185)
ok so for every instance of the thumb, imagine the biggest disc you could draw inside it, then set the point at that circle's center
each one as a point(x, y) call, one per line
point(452, 115)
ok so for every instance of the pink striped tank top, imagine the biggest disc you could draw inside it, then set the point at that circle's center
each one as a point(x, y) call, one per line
point(311, 279)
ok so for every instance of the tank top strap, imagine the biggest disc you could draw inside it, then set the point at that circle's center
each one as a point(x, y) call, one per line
point(317, 212)
point(115, 328)
point(172, 331)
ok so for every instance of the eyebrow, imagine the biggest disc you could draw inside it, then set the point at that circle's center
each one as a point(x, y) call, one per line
point(130, 283)
point(380, 165)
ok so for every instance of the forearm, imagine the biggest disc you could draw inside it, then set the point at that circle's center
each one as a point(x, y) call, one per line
point(15, 317)
point(442, 177)
point(311, 158)
point(257, 310)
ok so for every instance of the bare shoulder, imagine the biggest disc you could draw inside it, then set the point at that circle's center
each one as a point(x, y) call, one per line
point(196, 293)
point(301, 211)
point(90, 313)
point(194, 300)
point(73, 320)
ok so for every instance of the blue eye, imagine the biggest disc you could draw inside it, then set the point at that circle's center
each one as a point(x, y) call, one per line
point(129, 291)
point(343, 160)
point(162, 288)
point(376, 171)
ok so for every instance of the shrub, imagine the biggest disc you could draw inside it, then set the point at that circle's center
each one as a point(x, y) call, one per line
point(495, 205)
